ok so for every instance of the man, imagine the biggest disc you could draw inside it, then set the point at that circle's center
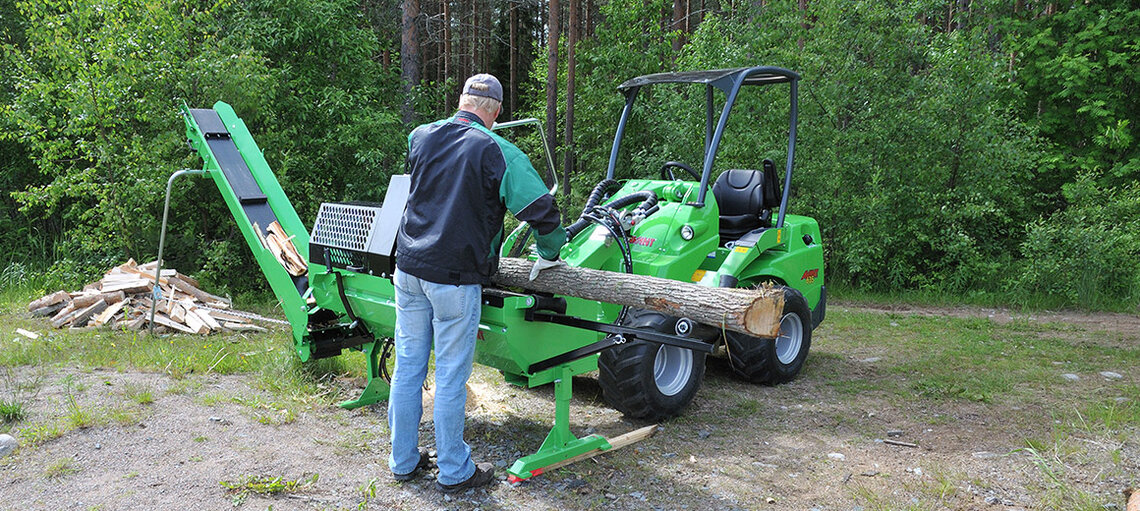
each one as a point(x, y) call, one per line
point(464, 178)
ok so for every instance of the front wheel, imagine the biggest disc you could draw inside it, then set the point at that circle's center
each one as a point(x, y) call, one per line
point(774, 360)
point(647, 380)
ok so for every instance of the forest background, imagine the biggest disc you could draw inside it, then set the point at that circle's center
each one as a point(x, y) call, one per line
point(980, 150)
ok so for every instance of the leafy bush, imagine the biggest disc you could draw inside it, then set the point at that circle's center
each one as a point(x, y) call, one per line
point(1088, 253)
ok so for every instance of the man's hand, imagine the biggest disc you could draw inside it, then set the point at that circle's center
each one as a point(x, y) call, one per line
point(543, 264)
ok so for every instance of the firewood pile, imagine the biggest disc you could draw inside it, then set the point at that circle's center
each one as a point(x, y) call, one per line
point(123, 299)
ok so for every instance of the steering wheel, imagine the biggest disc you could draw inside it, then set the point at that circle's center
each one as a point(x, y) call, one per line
point(667, 171)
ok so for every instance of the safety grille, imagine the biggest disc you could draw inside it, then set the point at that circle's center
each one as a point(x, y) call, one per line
point(346, 226)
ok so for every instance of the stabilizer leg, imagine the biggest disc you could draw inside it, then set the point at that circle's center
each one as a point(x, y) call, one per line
point(377, 389)
point(560, 445)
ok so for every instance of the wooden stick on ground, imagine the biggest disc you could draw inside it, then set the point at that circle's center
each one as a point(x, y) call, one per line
point(616, 443)
point(754, 312)
point(899, 443)
point(1133, 499)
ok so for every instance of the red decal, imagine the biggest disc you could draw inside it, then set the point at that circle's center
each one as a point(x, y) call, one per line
point(810, 275)
point(479, 336)
point(642, 240)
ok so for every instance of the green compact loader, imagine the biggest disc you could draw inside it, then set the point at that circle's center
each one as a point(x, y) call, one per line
point(731, 232)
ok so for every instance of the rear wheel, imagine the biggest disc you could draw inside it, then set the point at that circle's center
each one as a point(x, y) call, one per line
point(646, 380)
point(778, 360)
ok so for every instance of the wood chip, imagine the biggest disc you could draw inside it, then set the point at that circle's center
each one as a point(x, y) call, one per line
point(28, 334)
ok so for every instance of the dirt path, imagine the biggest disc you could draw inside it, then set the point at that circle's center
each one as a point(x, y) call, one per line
point(813, 444)
point(1128, 324)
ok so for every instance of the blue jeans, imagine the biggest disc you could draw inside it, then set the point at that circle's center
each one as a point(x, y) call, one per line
point(449, 314)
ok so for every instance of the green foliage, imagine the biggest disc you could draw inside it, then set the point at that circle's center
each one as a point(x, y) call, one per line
point(1078, 67)
point(93, 110)
point(1089, 252)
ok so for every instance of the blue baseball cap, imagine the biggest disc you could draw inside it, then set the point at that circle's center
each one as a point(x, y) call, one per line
point(484, 85)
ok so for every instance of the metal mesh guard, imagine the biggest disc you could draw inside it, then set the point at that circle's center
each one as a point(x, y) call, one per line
point(346, 226)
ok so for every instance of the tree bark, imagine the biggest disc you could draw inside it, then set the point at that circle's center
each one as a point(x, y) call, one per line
point(754, 312)
point(513, 52)
point(568, 146)
point(449, 96)
point(409, 56)
point(552, 78)
point(678, 25)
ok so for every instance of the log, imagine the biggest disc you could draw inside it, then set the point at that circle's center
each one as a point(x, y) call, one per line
point(106, 315)
point(49, 300)
point(109, 297)
point(754, 312)
point(284, 250)
point(63, 317)
point(203, 315)
point(164, 320)
point(202, 296)
point(81, 317)
point(1133, 500)
point(194, 322)
point(49, 310)
point(129, 287)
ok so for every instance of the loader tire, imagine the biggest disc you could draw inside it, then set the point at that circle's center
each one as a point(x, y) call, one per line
point(650, 381)
point(774, 361)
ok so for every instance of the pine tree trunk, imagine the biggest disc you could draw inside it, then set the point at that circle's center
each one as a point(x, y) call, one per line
point(409, 56)
point(568, 146)
point(754, 312)
point(448, 94)
point(552, 78)
point(514, 58)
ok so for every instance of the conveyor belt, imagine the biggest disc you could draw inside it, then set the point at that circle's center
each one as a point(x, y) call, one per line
point(253, 201)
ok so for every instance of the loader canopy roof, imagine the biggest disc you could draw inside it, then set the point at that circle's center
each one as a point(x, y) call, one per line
point(722, 79)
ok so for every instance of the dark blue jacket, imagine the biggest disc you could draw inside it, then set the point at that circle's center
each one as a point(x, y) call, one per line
point(464, 179)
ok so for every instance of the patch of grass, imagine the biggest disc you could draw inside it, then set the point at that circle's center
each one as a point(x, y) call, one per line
point(140, 394)
point(12, 411)
point(200, 438)
point(122, 416)
point(267, 485)
point(1055, 492)
point(78, 416)
point(15, 394)
point(745, 408)
point(60, 468)
point(41, 433)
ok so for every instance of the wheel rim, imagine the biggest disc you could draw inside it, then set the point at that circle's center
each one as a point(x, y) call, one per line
point(672, 369)
point(790, 339)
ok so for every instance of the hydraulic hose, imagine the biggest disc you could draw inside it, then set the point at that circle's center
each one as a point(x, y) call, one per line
point(595, 197)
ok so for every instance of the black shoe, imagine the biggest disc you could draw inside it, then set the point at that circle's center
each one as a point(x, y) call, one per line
point(424, 464)
point(484, 474)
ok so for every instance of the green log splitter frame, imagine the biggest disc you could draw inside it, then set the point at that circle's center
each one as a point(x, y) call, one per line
point(347, 301)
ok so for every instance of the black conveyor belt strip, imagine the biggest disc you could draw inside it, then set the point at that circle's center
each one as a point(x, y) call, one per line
point(238, 175)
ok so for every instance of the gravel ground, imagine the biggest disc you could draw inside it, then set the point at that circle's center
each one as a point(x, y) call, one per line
point(800, 446)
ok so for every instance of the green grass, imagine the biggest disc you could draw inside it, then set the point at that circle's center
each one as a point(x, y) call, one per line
point(60, 468)
point(268, 485)
point(1016, 299)
point(12, 411)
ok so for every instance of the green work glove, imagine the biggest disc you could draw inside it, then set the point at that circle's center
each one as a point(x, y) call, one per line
point(543, 264)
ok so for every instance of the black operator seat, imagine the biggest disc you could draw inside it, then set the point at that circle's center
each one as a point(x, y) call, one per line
point(746, 199)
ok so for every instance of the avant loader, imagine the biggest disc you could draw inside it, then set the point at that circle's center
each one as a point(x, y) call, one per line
point(732, 233)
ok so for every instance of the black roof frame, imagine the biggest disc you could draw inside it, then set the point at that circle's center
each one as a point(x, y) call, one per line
point(728, 81)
